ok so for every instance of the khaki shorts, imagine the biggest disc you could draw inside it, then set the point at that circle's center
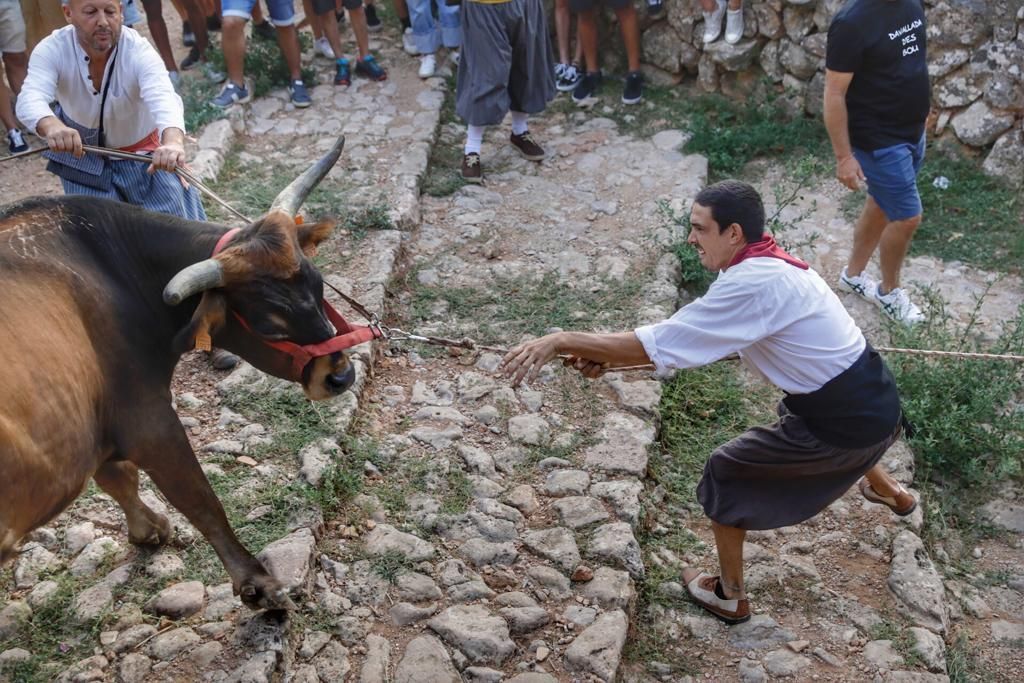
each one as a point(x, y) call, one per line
point(12, 27)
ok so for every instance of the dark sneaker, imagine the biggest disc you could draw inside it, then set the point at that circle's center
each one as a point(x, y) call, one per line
point(191, 59)
point(16, 141)
point(264, 30)
point(472, 172)
point(527, 146)
point(232, 94)
point(188, 37)
point(655, 8)
point(633, 92)
point(300, 96)
point(569, 77)
point(223, 360)
point(369, 68)
point(342, 72)
point(585, 94)
point(373, 23)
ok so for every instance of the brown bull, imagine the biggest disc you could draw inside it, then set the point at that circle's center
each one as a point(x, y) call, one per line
point(90, 339)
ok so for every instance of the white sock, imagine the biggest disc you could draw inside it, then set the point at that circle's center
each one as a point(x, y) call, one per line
point(474, 139)
point(519, 123)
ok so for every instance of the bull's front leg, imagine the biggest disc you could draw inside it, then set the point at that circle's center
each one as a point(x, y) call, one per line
point(120, 479)
point(162, 450)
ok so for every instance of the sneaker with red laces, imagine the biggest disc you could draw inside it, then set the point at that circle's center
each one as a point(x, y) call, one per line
point(369, 68)
point(706, 591)
point(342, 72)
point(472, 171)
point(527, 146)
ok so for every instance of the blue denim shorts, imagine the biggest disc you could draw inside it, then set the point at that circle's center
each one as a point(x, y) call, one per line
point(282, 12)
point(891, 173)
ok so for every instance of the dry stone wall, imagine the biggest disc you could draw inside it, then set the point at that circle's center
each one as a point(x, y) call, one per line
point(975, 55)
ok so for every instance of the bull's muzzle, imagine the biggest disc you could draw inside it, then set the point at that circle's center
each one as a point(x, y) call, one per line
point(327, 376)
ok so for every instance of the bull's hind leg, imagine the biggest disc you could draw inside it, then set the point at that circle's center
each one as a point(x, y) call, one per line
point(120, 479)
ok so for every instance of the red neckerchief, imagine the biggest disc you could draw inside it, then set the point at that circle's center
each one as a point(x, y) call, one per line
point(346, 335)
point(766, 247)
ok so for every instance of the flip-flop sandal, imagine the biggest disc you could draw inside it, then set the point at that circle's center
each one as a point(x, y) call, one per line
point(702, 591)
point(888, 501)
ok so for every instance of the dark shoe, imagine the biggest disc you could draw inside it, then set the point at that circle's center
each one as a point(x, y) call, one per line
point(634, 90)
point(342, 72)
point(655, 8)
point(373, 23)
point(568, 77)
point(299, 94)
point(527, 146)
point(16, 141)
point(369, 68)
point(191, 59)
point(264, 30)
point(472, 172)
point(585, 94)
point(213, 22)
point(232, 94)
point(223, 360)
point(903, 503)
point(704, 590)
point(188, 37)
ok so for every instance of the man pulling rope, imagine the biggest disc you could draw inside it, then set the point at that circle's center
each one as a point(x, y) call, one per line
point(841, 411)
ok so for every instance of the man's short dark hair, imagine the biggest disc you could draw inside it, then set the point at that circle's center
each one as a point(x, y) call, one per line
point(733, 201)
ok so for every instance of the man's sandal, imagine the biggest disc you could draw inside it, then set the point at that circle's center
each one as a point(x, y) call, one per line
point(903, 503)
point(705, 590)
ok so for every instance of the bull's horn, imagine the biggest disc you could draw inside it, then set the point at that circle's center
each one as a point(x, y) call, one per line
point(193, 279)
point(292, 197)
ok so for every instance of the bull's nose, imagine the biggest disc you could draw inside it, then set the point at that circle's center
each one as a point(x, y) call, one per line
point(338, 382)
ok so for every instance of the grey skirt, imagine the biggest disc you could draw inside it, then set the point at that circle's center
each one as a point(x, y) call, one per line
point(506, 61)
point(770, 477)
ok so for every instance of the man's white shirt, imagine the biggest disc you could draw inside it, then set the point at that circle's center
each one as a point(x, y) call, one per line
point(141, 97)
point(784, 322)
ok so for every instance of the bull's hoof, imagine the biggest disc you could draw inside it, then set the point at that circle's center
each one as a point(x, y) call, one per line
point(265, 593)
point(155, 529)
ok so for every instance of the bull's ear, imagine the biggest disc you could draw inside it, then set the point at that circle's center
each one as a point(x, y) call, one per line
point(206, 321)
point(310, 236)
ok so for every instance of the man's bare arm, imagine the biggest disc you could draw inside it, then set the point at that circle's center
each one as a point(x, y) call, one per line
point(848, 170)
point(590, 352)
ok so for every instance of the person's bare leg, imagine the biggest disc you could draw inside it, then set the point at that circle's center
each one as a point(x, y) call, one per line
point(401, 9)
point(866, 235)
point(729, 541)
point(257, 14)
point(708, 5)
point(233, 44)
point(588, 37)
point(630, 35)
point(288, 41)
point(358, 19)
point(6, 108)
point(16, 66)
point(562, 28)
point(331, 32)
point(316, 22)
point(735, 4)
point(578, 55)
point(158, 31)
point(892, 250)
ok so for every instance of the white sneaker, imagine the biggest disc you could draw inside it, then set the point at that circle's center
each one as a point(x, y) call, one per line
point(862, 285)
point(409, 43)
point(733, 26)
point(454, 55)
point(898, 306)
point(428, 63)
point(323, 46)
point(713, 22)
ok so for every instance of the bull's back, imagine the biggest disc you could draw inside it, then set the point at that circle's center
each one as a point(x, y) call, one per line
point(51, 394)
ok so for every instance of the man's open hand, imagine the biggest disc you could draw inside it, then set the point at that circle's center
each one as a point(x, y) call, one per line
point(849, 172)
point(526, 360)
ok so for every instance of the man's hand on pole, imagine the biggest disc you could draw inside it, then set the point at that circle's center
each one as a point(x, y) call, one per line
point(526, 360)
point(167, 157)
point(61, 138)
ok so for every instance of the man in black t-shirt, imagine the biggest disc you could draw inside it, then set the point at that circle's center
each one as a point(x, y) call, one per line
point(876, 103)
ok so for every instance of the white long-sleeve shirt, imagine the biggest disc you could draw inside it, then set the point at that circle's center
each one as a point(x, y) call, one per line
point(783, 321)
point(141, 98)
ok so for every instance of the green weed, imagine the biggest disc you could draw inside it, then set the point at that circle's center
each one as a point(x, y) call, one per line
point(390, 565)
point(459, 495)
point(443, 175)
point(197, 95)
point(962, 664)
